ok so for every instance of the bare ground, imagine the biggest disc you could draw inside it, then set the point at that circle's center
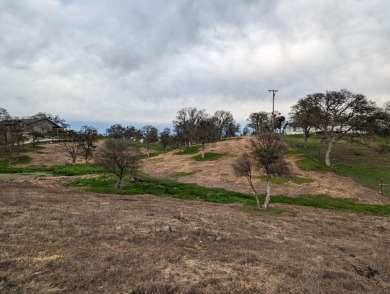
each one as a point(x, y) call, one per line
point(63, 241)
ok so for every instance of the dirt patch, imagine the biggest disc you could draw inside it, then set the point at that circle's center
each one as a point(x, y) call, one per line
point(52, 154)
point(62, 241)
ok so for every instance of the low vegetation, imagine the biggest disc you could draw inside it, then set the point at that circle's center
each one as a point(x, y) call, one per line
point(171, 188)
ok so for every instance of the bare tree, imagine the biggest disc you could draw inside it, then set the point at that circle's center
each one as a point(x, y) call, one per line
point(267, 155)
point(243, 167)
point(88, 137)
point(71, 143)
point(119, 157)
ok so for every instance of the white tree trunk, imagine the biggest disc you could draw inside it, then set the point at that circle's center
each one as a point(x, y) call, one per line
point(268, 196)
point(328, 153)
point(202, 151)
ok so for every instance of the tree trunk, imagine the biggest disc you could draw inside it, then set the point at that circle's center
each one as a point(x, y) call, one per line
point(268, 196)
point(328, 153)
point(118, 183)
point(120, 176)
point(202, 150)
point(74, 156)
point(254, 191)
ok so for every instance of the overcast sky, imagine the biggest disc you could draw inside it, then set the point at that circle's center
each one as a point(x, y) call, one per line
point(138, 62)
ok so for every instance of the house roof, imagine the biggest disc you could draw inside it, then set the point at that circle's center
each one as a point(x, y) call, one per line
point(29, 121)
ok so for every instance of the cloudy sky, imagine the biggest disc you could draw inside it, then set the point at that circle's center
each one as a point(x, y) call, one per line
point(138, 62)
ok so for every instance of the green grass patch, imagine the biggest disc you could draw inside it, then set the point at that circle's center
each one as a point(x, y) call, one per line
point(164, 188)
point(186, 191)
point(75, 170)
point(60, 170)
point(22, 159)
point(307, 163)
point(209, 156)
point(189, 150)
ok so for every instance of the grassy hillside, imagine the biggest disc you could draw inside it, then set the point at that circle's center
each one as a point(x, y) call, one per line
point(362, 163)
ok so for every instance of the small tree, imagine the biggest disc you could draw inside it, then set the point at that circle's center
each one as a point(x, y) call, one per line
point(71, 142)
point(119, 157)
point(88, 137)
point(267, 151)
point(243, 167)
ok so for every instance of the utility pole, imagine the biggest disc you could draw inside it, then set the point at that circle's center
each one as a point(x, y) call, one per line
point(273, 108)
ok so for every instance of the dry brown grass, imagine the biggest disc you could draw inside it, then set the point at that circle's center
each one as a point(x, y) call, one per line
point(219, 173)
point(62, 241)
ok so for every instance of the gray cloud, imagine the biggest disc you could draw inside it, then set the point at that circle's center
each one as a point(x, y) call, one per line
point(141, 61)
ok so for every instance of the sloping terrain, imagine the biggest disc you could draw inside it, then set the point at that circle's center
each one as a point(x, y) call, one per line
point(219, 173)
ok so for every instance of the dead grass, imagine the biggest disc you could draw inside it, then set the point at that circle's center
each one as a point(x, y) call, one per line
point(219, 173)
point(62, 241)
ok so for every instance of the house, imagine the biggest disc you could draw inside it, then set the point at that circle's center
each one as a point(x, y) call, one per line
point(290, 130)
point(27, 130)
point(41, 126)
